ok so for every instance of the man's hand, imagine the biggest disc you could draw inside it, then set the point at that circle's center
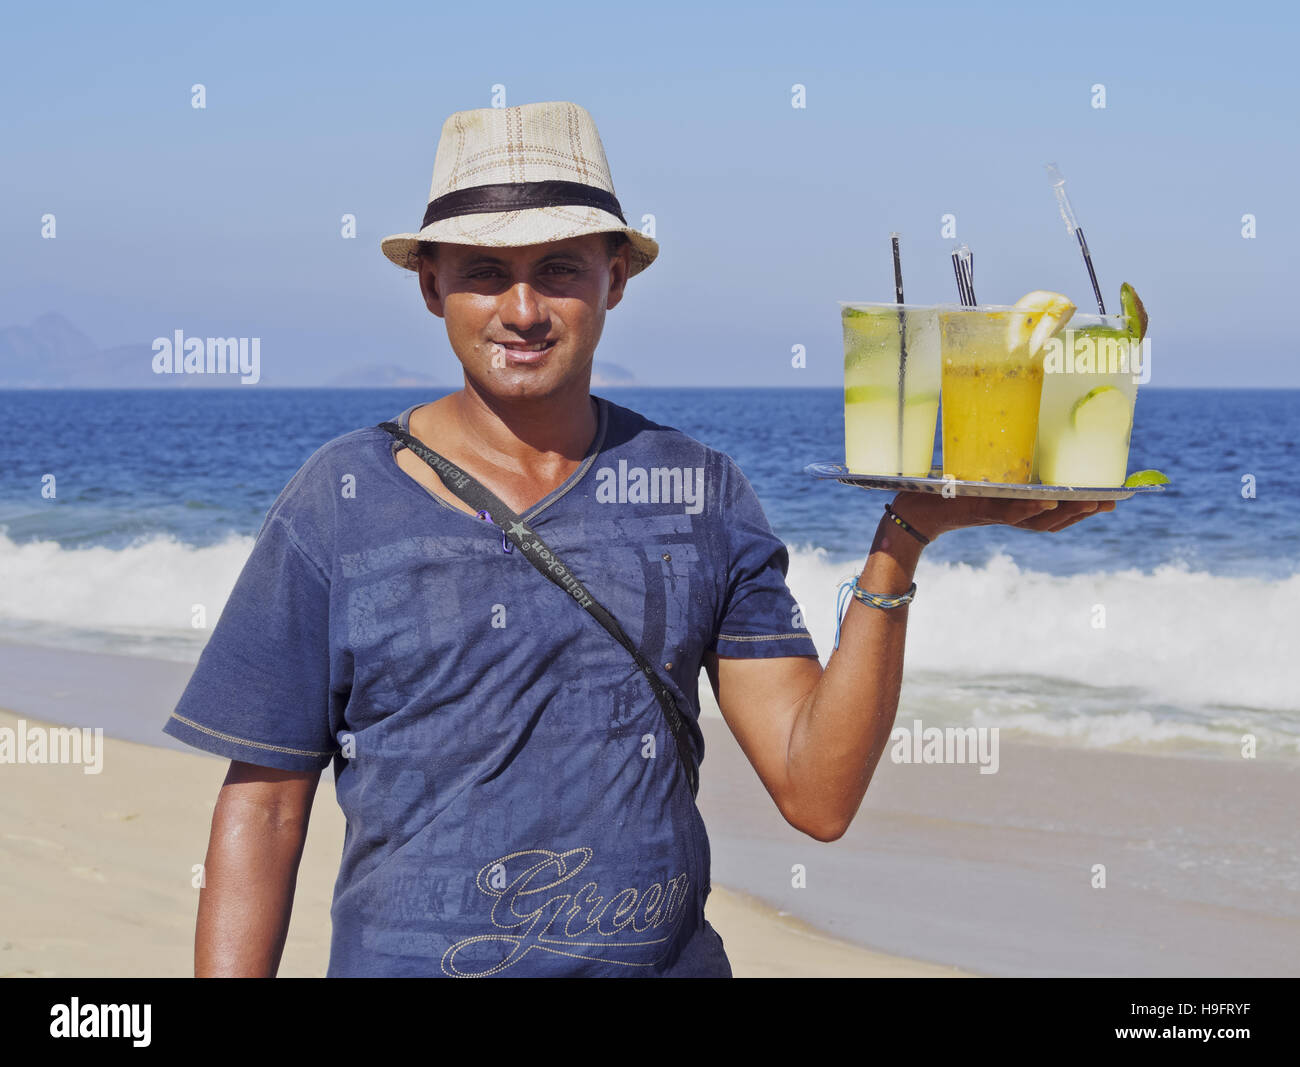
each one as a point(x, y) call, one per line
point(931, 514)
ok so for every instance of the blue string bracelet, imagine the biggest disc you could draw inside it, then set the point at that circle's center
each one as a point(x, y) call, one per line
point(875, 600)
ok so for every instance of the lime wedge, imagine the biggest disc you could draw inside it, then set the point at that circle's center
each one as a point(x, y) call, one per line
point(869, 394)
point(870, 328)
point(1140, 478)
point(1137, 314)
point(1039, 316)
point(1103, 410)
point(875, 394)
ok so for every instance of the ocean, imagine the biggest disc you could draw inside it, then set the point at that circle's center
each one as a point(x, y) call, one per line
point(1167, 626)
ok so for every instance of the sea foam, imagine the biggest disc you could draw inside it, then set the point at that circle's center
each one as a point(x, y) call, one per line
point(1099, 658)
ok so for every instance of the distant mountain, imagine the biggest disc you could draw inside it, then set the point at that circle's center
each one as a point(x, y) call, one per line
point(51, 353)
point(606, 374)
point(32, 357)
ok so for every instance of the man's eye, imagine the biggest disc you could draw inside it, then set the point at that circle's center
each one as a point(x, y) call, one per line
point(487, 273)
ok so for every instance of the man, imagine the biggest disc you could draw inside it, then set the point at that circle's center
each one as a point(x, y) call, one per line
point(514, 799)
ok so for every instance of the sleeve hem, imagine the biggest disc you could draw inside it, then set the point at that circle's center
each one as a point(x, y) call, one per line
point(764, 646)
point(281, 757)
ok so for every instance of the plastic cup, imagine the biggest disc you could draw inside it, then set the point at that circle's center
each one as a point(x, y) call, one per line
point(891, 387)
point(1085, 419)
point(992, 385)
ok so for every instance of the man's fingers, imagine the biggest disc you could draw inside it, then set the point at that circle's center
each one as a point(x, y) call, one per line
point(1067, 514)
point(1056, 527)
point(1033, 514)
point(1026, 510)
point(1042, 516)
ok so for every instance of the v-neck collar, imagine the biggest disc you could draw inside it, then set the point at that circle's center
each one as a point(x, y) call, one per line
point(593, 450)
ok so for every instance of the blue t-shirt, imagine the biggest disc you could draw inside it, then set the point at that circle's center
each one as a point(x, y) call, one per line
point(512, 792)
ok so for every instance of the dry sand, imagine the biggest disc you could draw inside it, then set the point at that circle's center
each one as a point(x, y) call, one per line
point(96, 876)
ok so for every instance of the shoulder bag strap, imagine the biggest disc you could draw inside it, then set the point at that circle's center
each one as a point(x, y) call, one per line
point(535, 550)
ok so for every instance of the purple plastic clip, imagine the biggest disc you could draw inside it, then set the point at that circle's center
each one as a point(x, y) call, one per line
point(506, 546)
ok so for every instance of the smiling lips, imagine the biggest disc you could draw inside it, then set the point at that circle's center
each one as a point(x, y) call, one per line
point(518, 352)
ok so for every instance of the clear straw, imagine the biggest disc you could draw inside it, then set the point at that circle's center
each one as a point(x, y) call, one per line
point(1072, 225)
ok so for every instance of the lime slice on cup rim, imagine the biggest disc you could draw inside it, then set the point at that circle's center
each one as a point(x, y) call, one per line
point(1137, 314)
point(1148, 477)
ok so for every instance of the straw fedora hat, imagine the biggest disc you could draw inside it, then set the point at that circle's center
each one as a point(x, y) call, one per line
point(524, 175)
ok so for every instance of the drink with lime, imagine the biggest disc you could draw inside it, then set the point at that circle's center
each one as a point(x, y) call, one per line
point(1089, 390)
point(891, 388)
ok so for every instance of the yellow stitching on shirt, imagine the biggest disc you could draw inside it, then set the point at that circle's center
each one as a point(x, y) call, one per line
point(250, 744)
point(764, 637)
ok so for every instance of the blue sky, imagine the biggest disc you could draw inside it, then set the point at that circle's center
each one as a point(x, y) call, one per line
point(225, 221)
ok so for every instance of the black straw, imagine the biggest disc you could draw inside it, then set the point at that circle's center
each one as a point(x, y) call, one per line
point(902, 345)
point(963, 266)
point(898, 270)
point(1092, 274)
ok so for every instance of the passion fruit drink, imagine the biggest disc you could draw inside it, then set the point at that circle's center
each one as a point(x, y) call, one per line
point(891, 388)
point(992, 384)
point(1086, 416)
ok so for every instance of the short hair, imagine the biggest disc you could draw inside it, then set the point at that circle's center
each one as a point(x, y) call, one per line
point(614, 241)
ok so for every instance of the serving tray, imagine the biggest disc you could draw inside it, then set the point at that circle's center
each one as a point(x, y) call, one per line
point(937, 483)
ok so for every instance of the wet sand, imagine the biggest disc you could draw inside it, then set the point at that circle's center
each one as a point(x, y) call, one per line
point(992, 874)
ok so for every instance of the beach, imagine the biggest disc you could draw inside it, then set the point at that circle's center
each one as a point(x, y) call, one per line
point(945, 871)
point(999, 873)
point(1140, 820)
point(97, 877)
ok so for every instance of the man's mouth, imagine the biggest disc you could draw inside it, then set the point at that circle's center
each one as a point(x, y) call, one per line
point(518, 352)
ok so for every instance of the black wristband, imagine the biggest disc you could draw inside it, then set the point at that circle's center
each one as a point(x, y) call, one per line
point(897, 519)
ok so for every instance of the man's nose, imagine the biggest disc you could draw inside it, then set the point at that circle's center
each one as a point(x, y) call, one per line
point(521, 307)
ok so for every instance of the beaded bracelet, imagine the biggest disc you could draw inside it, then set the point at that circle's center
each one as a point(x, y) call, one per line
point(875, 600)
point(898, 520)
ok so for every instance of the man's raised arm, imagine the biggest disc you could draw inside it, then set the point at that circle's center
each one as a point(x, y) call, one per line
point(815, 736)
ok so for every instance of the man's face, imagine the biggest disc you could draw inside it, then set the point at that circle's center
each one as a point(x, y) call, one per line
point(500, 302)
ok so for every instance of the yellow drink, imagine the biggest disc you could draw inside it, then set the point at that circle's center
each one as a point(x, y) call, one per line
point(992, 386)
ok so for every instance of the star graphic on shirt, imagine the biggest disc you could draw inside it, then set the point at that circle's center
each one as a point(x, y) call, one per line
point(518, 529)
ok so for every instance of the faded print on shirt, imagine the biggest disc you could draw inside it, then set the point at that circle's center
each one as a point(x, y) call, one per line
point(512, 792)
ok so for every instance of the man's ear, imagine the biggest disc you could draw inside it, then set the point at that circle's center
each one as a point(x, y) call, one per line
point(429, 287)
point(618, 268)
